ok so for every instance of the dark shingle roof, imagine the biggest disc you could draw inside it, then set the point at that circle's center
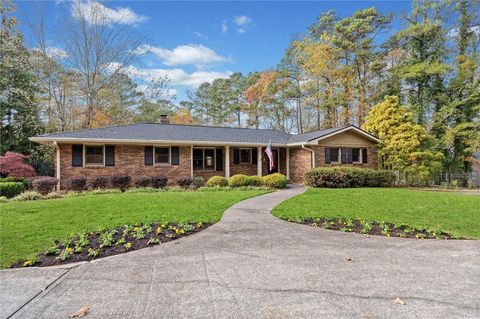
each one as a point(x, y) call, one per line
point(195, 133)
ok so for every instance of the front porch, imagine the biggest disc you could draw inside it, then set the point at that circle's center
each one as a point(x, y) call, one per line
point(208, 161)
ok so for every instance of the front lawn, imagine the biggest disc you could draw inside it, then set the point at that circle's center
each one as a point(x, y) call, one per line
point(28, 228)
point(455, 213)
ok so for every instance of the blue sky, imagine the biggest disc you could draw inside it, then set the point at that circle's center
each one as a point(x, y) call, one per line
point(192, 42)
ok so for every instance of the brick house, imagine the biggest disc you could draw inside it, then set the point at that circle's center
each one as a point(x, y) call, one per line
point(188, 150)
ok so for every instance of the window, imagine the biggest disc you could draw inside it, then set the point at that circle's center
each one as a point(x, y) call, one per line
point(246, 155)
point(355, 155)
point(332, 155)
point(162, 155)
point(204, 159)
point(94, 155)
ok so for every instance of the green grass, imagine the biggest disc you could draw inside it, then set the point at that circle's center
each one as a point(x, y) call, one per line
point(455, 213)
point(28, 228)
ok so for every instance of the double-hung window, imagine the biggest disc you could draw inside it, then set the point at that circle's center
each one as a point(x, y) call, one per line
point(345, 155)
point(94, 154)
point(245, 155)
point(204, 159)
point(162, 155)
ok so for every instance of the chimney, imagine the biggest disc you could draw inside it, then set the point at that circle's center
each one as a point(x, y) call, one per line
point(164, 119)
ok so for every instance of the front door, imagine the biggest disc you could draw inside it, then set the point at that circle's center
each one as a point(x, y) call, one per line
point(275, 162)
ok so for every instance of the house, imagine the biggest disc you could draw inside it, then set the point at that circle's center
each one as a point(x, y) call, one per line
point(189, 150)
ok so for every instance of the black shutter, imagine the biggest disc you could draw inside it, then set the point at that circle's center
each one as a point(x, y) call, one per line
point(219, 159)
point(328, 151)
point(109, 155)
point(254, 156)
point(175, 153)
point(77, 155)
point(344, 155)
point(349, 155)
point(364, 156)
point(236, 156)
point(148, 155)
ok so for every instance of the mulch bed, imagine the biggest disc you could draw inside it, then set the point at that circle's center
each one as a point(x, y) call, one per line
point(373, 228)
point(109, 242)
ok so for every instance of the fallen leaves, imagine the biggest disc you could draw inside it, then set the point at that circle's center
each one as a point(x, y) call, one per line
point(348, 258)
point(399, 301)
point(82, 312)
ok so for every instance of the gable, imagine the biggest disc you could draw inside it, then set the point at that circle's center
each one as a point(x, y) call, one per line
point(347, 138)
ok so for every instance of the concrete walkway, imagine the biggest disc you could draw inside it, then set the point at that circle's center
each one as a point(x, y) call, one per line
point(252, 265)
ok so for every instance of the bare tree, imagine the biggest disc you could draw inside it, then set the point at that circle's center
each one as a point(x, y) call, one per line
point(97, 49)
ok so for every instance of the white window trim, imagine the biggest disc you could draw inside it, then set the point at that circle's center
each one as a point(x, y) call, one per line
point(240, 155)
point(203, 158)
point(85, 164)
point(169, 155)
point(339, 161)
point(360, 155)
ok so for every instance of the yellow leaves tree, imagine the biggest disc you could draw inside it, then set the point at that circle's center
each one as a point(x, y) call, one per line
point(404, 145)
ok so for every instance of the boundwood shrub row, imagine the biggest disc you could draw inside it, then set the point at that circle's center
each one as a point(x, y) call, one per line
point(343, 177)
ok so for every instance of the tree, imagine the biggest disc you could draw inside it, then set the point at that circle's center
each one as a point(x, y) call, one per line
point(156, 100)
point(97, 51)
point(13, 164)
point(405, 146)
point(18, 110)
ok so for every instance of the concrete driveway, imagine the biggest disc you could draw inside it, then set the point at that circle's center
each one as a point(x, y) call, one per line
point(252, 265)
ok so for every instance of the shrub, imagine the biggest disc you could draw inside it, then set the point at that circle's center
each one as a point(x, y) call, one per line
point(3, 199)
point(217, 181)
point(98, 182)
point(159, 181)
point(143, 181)
point(238, 180)
point(254, 180)
point(341, 177)
point(54, 195)
point(275, 180)
point(30, 195)
point(44, 184)
point(100, 191)
point(198, 182)
point(78, 183)
point(13, 164)
point(121, 181)
point(184, 182)
point(11, 189)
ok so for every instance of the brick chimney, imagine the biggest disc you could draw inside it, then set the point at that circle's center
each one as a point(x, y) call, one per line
point(164, 119)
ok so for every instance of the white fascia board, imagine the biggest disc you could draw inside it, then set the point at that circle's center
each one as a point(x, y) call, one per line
point(359, 131)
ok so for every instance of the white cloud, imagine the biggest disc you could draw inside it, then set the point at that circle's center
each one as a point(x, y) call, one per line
point(242, 20)
point(189, 54)
point(96, 13)
point(176, 76)
point(200, 35)
point(453, 33)
point(54, 52)
point(241, 30)
point(224, 26)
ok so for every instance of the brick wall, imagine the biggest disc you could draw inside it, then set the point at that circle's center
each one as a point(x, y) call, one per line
point(129, 159)
point(300, 163)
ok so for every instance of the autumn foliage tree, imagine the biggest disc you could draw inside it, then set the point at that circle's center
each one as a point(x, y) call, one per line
point(13, 164)
point(404, 145)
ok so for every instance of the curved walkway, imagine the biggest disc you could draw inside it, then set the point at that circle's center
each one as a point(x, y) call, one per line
point(252, 265)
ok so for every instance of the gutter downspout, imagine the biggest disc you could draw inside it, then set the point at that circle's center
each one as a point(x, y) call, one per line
point(57, 164)
point(312, 163)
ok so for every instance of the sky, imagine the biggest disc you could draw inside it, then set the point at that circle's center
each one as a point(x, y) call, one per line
point(194, 42)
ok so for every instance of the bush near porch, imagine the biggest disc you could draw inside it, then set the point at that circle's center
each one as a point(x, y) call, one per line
point(343, 177)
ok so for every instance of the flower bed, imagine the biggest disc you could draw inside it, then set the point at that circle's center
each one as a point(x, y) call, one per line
point(108, 242)
point(372, 228)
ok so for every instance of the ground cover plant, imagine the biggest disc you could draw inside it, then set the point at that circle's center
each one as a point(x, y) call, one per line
point(108, 242)
point(453, 213)
point(30, 227)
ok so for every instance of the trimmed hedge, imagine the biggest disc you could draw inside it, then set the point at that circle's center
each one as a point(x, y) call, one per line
point(198, 181)
point(275, 180)
point(44, 184)
point(121, 181)
point(254, 181)
point(343, 177)
point(98, 182)
point(159, 181)
point(184, 182)
point(78, 183)
point(217, 181)
point(238, 180)
point(11, 189)
point(143, 181)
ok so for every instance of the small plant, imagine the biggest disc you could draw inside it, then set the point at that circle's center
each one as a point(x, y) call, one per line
point(98, 182)
point(217, 181)
point(54, 195)
point(198, 182)
point(30, 195)
point(30, 262)
point(93, 252)
point(184, 182)
point(143, 181)
point(275, 180)
point(44, 184)
point(106, 238)
point(121, 181)
point(159, 181)
point(138, 233)
point(78, 183)
point(65, 254)
point(238, 180)
point(128, 246)
point(367, 228)
point(153, 241)
point(53, 250)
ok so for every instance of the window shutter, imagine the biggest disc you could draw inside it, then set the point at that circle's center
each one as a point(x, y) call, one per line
point(236, 156)
point(364, 156)
point(219, 159)
point(109, 155)
point(344, 155)
point(349, 155)
point(148, 155)
point(254, 155)
point(327, 155)
point(175, 154)
point(77, 155)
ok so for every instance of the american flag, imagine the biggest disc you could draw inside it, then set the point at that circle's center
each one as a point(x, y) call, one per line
point(269, 153)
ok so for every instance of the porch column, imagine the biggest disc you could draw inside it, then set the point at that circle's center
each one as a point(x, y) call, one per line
point(259, 161)
point(227, 161)
point(191, 161)
point(288, 163)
